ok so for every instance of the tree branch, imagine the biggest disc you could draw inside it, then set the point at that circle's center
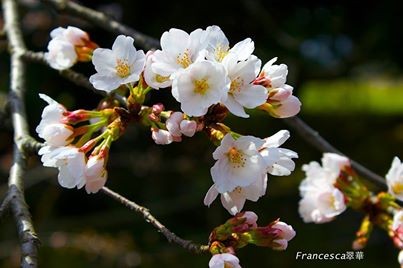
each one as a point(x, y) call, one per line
point(312, 137)
point(77, 78)
point(15, 196)
point(100, 19)
point(186, 244)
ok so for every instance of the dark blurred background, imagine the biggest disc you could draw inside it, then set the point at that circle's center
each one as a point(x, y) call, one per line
point(345, 61)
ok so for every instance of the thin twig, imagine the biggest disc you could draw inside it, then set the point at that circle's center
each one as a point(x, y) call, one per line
point(102, 20)
point(75, 77)
point(186, 244)
point(29, 241)
point(312, 137)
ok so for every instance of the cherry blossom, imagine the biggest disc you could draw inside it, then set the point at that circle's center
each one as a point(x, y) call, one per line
point(224, 260)
point(239, 163)
point(234, 201)
point(321, 201)
point(95, 174)
point(179, 51)
point(67, 46)
point(120, 65)
point(201, 85)
point(51, 128)
point(153, 79)
point(394, 178)
point(278, 160)
point(242, 92)
point(218, 46)
point(70, 161)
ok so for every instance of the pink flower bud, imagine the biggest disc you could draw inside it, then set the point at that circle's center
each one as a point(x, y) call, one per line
point(251, 218)
point(161, 136)
point(287, 108)
point(188, 127)
point(281, 94)
point(158, 108)
point(173, 123)
point(286, 233)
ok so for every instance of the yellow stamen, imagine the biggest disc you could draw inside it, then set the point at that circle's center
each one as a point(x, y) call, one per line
point(161, 79)
point(397, 188)
point(184, 59)
point(236, 157)
point(220, 52)
point(236, 85)
point(201, 86)
point(228, 265)
point(122, 68)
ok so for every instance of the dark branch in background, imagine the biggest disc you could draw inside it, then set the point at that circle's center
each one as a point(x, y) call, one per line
point(313, 138)
point(15, 199)
point(77, 78)
point(171, 237)
point(100, 19)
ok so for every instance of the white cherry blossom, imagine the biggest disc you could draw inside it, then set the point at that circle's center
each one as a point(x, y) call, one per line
point(224, 260)
point(62, 47)
point(234, 201)
point(70, 161)
point(242, 92)
point(278, 160)
point(153, 79)
point(95, 174)
point(51, 128)
point(394, 178)
point(179, 51)
point(321, 201)
point(218, 46)
point(201, 85)
point(239, 163)
point(120, 65)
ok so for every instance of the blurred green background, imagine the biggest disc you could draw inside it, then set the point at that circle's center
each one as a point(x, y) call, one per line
point(345, 61)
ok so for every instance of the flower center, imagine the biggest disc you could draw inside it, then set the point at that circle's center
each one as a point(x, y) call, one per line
point(236, 85)
point(122, 68)
point(161, 79)
point(236, 157)
point(200, 86)
point(397, 188)
point(238, 189)
point(184, 59)
point(220, 52)
point(228, 265)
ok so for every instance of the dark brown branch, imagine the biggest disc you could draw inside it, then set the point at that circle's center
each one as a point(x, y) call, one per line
point(15, 196)
point(312, 137)
point(186, 244)
point(100, 19)
point(77, 78)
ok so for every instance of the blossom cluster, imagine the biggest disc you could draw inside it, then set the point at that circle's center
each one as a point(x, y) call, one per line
point(203, 69)
point(70, 148)
point(210, 79)
point(329, 189)
point(241, 230)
